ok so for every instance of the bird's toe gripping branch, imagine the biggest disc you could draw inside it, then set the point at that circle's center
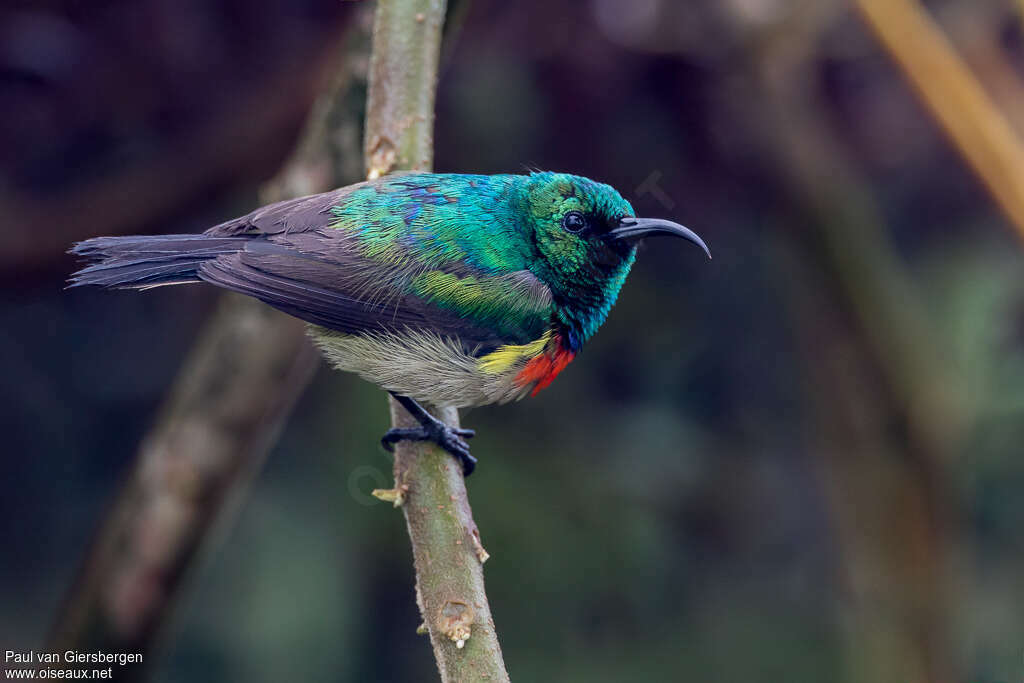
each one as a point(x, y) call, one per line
point(431, 429)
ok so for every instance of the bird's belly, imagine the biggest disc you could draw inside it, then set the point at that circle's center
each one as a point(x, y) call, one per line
point(422, 366)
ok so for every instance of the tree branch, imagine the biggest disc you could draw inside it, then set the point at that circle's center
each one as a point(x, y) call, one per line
point(225, 411)
point(230, 401)
point(429, 484)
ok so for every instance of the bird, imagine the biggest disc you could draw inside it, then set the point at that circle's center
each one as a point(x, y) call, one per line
point(443, 289)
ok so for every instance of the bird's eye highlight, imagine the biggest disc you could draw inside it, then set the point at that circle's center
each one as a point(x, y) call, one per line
point(574, 221)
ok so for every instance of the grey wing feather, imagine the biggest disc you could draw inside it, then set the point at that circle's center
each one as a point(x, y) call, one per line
point(335, 287)
point(289, 216)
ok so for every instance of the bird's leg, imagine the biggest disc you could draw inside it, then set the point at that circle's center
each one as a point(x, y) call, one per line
point(451, 439)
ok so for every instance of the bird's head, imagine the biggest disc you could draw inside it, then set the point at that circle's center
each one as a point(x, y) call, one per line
point(586, 235)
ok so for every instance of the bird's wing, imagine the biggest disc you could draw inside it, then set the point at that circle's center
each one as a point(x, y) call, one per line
point(298, 261)
point(291, 215)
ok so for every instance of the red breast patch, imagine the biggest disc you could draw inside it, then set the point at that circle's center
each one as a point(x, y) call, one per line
point(544, 368)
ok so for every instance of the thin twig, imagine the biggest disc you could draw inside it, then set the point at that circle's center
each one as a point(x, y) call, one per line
point(428, 482)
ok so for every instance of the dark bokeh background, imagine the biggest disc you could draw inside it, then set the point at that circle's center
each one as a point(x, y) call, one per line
point(799, 461)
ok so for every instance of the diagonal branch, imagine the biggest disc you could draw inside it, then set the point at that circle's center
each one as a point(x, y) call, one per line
point(229, 402)
point(975, 125)
point(429, 483)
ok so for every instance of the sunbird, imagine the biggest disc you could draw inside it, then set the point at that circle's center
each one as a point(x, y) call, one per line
point(447, 289)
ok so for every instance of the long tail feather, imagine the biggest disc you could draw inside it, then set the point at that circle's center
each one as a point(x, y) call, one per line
point(140, 262)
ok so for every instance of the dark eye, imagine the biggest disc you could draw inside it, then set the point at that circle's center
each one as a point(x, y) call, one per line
point(574, 221)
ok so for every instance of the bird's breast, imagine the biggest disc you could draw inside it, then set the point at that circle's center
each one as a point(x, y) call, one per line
point(531, 366)
point(438, 370)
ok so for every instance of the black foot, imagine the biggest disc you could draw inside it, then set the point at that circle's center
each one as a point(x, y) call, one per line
point(434, 430)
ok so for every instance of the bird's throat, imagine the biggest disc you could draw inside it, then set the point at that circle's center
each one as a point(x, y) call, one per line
point(583, 306)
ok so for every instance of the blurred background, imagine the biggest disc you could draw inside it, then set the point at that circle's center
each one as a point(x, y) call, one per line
point(800, 461)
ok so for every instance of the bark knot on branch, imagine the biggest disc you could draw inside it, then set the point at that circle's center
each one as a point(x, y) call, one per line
point(455, 621)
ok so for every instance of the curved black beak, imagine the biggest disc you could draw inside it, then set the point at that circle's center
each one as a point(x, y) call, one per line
point(633, 230)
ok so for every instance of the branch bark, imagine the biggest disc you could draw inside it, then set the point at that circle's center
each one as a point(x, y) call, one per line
point(429, 485)
point(229, 402)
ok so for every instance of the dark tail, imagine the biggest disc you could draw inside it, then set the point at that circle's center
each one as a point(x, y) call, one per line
point(138, 262)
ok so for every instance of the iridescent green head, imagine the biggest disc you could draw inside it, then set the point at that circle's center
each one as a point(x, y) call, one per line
point(571, 218)
point(586, 234)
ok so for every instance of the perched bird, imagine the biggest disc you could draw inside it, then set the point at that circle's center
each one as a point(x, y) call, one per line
point(453, 290)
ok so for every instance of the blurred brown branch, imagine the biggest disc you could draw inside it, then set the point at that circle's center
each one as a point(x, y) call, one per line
point(229, 402)
point(226, 409)
point(980, 131)
point(428, 482)
point(974, 30)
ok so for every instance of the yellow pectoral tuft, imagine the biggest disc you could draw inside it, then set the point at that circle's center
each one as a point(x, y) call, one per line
point(506, 357)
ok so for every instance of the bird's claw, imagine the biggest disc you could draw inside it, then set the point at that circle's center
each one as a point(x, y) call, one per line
point(451, 439)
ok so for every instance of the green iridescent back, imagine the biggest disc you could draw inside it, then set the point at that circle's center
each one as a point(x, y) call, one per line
point(469, 239)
